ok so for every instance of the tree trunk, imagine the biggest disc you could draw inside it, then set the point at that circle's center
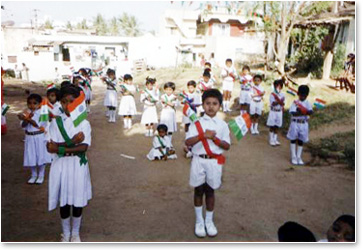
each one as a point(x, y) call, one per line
point(328, 60)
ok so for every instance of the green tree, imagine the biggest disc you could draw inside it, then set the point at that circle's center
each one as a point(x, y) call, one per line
point(114, 27)
point(82, 25)
point(69, 26)
point(48, 24)
point(100, 25)
point(129, 25)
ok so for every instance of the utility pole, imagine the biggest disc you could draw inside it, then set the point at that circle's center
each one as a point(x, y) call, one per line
point(36, 18)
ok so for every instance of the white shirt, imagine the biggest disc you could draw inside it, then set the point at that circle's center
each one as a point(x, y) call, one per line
point(305, 104)
point(206, 85)
point(169, 98)
point(281, 96)
point(254, 92)
point(195, 96)
point(155, 95)
point(209, 123)
point(57, 109)
point(165, 140)
point(130, 88)
point(226, 71)
point(246, 82)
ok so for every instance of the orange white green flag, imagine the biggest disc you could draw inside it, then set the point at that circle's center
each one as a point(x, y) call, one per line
point(240, 125)
point(44, 111)
point(78, 109)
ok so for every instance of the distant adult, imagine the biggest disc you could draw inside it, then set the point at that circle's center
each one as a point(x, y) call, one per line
point(25, 73)
point(17, 72)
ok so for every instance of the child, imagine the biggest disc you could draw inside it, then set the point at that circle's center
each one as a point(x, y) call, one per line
point(256, 105)
point(299, 127)
point(162, 147)
point(208, 66)
point(127, 105)
point(193, 98)
point(35, 151)
point(342, 230)
point(53, 95)
point(110, 100)
point(69, 177)
point(208, 137)
point(168, 115)
point(229, 75)
point(205, 83)
point(294, 232)
point(86, 83)
point(245, 94)
point(149, 97)
point(277, 103)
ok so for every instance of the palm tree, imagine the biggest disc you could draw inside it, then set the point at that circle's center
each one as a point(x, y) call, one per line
point(100, 24)
point(129, 25)
point(69, 26)
point(114, 27)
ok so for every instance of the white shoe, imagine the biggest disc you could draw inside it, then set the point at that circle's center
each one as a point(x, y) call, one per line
point(277, 143)
point(147, 133)
point(75, 238)
point(211, 229)
point(40, 180)
point(256, 130)
point(293, 153)
point(65, 238)
point(200, 230)
point(298, 155)
point(252, 130)
point(32, 179)
point(189, 154)
point(110, 119)
point(294, 161)
point(300, 161)
point(151, 133)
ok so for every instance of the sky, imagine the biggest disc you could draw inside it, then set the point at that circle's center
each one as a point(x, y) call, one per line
point(147, 12)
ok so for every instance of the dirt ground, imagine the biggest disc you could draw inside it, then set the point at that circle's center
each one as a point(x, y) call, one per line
point(143, 201)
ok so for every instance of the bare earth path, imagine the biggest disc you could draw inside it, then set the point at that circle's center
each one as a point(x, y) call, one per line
point(139, 200)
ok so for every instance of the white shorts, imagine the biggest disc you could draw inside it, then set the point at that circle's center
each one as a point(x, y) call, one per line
point(274, 119)
point(298, 131)
point(245, 97)
point(227, 86)
point(205, 171)
point(256, 107)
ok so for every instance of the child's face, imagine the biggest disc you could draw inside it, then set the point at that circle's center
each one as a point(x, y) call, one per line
point(228, 64)
point(245, 72)
point(129, 82)
point(65, 101)
point(191, 88)
point(302, 97)
point(278, 88)
point(149, 86)
point(211, 106)
point(206, 78)
point(340, 232)
point(161, 133)
point(206, 66)
point(168, 91)
point(52, 97)
point(257, 81)
point(33, 104)
point(112, 76)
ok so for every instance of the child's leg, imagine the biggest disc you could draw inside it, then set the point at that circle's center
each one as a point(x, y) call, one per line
point(33, 176)
point(76, 222)
point(130, 121)
point(198, 208)
point(229, 95)
point(108, 112)
point(170, 134)
point(125, 121)
point(299, 152)
point(275, 136)
point(65, 214)
point(41, 174)
point(224, 100)
point(209, 200)
point(293, 152)
point(272, 137)
point(147, 133)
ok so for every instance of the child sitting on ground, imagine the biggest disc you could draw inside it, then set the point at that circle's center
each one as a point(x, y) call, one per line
point(256, 105)
point(277, 103)
point(299, 128)
point(162, 148)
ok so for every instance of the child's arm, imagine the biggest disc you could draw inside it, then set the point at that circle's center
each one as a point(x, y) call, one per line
point(53, 147)
point(208, 134)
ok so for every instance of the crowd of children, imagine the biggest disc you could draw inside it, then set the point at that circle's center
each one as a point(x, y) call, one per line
point(63, 144)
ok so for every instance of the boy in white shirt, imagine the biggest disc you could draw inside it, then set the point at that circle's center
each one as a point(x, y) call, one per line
point(256, 105)
point(208, 137)
point(229, 75)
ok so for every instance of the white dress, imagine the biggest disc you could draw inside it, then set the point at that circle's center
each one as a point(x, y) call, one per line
point(35, 150)
point(69, 181)
point(246, 88)
point(127, 104)
point(155, 152)
point(196, 100)
point(168, 115)
point(111, 95)
point(149, 114)
point(57, 109)
point(227, 79)
point(275, 115)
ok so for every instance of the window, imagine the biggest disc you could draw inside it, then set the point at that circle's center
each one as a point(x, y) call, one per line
point(66, 56)
point(221, 29)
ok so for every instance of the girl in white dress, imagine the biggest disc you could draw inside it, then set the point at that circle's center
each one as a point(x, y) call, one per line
point(35, 151)
point(69, 176)
point(168, 114)
point(86, 83)
point(111, 94)
point(149, 96)
point(127, 105)
point(162, 148)
point(55, 108)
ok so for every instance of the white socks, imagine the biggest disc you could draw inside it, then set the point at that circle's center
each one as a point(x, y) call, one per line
point(76, 224)
point(298, 155)
point(34, 172)
point(125, 123)
point(199, 214)
point(66, 226)
point(208, 217)
point(293, 153)
point(272, 139)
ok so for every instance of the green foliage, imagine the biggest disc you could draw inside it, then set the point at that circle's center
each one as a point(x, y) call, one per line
point(82, 25)
point(114, 27)
point(129, 25)
point(69, 25)
point(100, 25)
point(338, 60)
point(317, 8)
point(48, 24)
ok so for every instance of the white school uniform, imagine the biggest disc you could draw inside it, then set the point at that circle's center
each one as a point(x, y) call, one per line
point(256, 104)
point(276, 112)
point(228, 80)
point(35, 150)
point(202, 85)
point(127, 104)
point(207, 170)
point(149, 115)
point(299, 126)
point(168, 115)
point(87, 91)
point(246, 89)
point(57, 109)
point(111, 94)
point(69, 181)
point(196, 100)
point(155, 152)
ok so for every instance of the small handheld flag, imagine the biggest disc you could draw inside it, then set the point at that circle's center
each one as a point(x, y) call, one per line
point(291, 91)
point(78, 109)
point(319, 103)
point(51, 86)
point(4, 109)
point(44, 111)
point(240, 125)
point(189, 112)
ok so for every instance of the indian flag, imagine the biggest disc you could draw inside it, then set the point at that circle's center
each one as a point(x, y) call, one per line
point(291, 91)
point(240, 125)
point(319, 103)
point(50, 86)
point(44, 111)
point(189, 112)
point(4, 109)
point(78, 109)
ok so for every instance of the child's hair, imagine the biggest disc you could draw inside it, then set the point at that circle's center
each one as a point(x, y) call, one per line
point(206, 73)
point(212, 93)
point(70, 90)
point(111, 71)
point(228, 60)
point(55, 91)
point(35, 97)
point(65, 83)
point(257, 76)
point(162, 127)
point(294, 232)
point(348, 219)
point(169, 85)
point(246, 67)
point(303, 90)
point(150, 80)
point(208, 64)
point(192, 83)
point(127, 77)
point(279, 82)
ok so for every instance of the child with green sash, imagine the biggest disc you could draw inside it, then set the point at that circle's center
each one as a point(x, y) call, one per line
point(127, 105)
point(150, 97)
point(162, 148)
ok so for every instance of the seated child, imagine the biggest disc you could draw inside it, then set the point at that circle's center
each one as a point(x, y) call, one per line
point(342, 229)
point(162, 147)
point(294, 232)
point(256, 105)
point(277, 103)
point(299, 128)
